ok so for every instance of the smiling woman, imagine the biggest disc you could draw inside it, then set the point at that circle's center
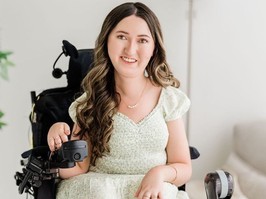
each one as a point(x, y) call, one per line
point(35, 47)
point(130, 114)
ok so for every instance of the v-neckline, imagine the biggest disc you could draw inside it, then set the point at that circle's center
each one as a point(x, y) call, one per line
point(145, 118)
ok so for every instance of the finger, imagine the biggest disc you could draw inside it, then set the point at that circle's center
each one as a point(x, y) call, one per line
point(66, 132)
point(160, 195)
point(144, 195)
point(137, 192)
point(64, 137)
point(154, 196)
point(58, 146)
point(51, 144)
point(66, 129)
point(57, 140)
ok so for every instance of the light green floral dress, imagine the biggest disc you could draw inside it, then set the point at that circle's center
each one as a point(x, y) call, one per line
point(134, 149)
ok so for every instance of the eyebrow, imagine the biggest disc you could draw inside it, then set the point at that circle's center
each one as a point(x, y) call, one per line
point(124, 32)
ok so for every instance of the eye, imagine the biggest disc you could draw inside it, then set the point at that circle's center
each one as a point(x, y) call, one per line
point(143, 41)
point(122, 37)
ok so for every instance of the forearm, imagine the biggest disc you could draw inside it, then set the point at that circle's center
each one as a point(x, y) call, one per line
point(176, 173)
point(79, 168)
point(178, 169)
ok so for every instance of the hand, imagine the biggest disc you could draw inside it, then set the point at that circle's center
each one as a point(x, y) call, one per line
point(151, 186)
point(58, 133)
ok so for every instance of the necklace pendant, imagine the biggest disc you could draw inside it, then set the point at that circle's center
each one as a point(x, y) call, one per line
point(133, 106)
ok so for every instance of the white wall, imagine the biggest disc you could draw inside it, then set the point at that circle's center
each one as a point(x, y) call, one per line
point(228, 83)
point(34, 30)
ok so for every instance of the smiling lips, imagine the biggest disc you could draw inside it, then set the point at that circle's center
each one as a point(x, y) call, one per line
point(130, 60)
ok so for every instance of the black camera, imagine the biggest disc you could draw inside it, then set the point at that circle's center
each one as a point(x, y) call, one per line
point(41, 164)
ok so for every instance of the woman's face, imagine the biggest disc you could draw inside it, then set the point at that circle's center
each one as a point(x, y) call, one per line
point(130, 46)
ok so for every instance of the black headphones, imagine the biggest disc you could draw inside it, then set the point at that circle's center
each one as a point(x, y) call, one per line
point(68, 49)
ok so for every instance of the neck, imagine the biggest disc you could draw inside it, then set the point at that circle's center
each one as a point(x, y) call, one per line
point(131, 91)
point(131, 88)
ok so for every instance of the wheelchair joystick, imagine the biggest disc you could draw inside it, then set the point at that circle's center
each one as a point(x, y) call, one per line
point(42, 166)
point(219, 184)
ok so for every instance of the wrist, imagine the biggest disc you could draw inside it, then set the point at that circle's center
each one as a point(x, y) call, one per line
point(157, 170)
point(168, 173)
point(175, 173)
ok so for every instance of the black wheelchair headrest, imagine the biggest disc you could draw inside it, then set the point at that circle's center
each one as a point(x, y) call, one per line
point(79, 67)
point(80, 63)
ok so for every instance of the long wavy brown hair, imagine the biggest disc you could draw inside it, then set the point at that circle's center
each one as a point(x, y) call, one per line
point(95, 113)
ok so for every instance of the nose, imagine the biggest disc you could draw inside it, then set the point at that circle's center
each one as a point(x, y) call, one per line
point(131, 48)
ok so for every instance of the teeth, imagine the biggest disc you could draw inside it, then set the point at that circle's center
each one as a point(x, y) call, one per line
point(130, 60)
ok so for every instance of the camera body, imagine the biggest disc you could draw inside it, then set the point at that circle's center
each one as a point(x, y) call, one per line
point(41, 164)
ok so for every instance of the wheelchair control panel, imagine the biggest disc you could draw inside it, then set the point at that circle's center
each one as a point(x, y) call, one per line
point(40, 164)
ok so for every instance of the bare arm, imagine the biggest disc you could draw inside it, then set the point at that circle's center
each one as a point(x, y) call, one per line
point(56, 136)
point(178, 169)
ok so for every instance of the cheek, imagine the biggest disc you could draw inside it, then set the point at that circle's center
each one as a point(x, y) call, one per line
point(148, 53)
point(114, 48)
point(111, 50)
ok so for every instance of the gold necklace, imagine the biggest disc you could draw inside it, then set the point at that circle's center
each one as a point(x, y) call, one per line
point(136, 104)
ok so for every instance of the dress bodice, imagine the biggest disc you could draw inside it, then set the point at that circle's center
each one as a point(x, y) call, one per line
point(137, 147)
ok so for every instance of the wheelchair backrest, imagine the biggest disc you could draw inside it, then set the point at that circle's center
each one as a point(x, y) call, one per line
point(51, 105)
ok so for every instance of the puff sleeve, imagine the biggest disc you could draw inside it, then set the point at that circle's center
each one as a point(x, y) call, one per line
point(175, 103)
point(72, 108)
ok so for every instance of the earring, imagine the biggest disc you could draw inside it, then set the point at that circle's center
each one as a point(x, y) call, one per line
point(146, 73)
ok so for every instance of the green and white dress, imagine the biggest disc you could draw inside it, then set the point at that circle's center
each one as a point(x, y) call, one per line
point(134, 149)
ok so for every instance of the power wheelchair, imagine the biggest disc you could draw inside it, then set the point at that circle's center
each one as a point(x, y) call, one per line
point(39, 175)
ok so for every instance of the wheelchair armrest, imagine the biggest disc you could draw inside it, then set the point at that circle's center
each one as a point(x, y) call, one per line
point(219, 184)
point(194, 153)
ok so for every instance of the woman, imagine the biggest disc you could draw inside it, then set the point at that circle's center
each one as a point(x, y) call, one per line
point(130, 114)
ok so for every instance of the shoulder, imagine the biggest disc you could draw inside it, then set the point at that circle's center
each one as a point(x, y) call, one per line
point(73, 106)
point(174, 95)
point(174, 102)
point(173, 91)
